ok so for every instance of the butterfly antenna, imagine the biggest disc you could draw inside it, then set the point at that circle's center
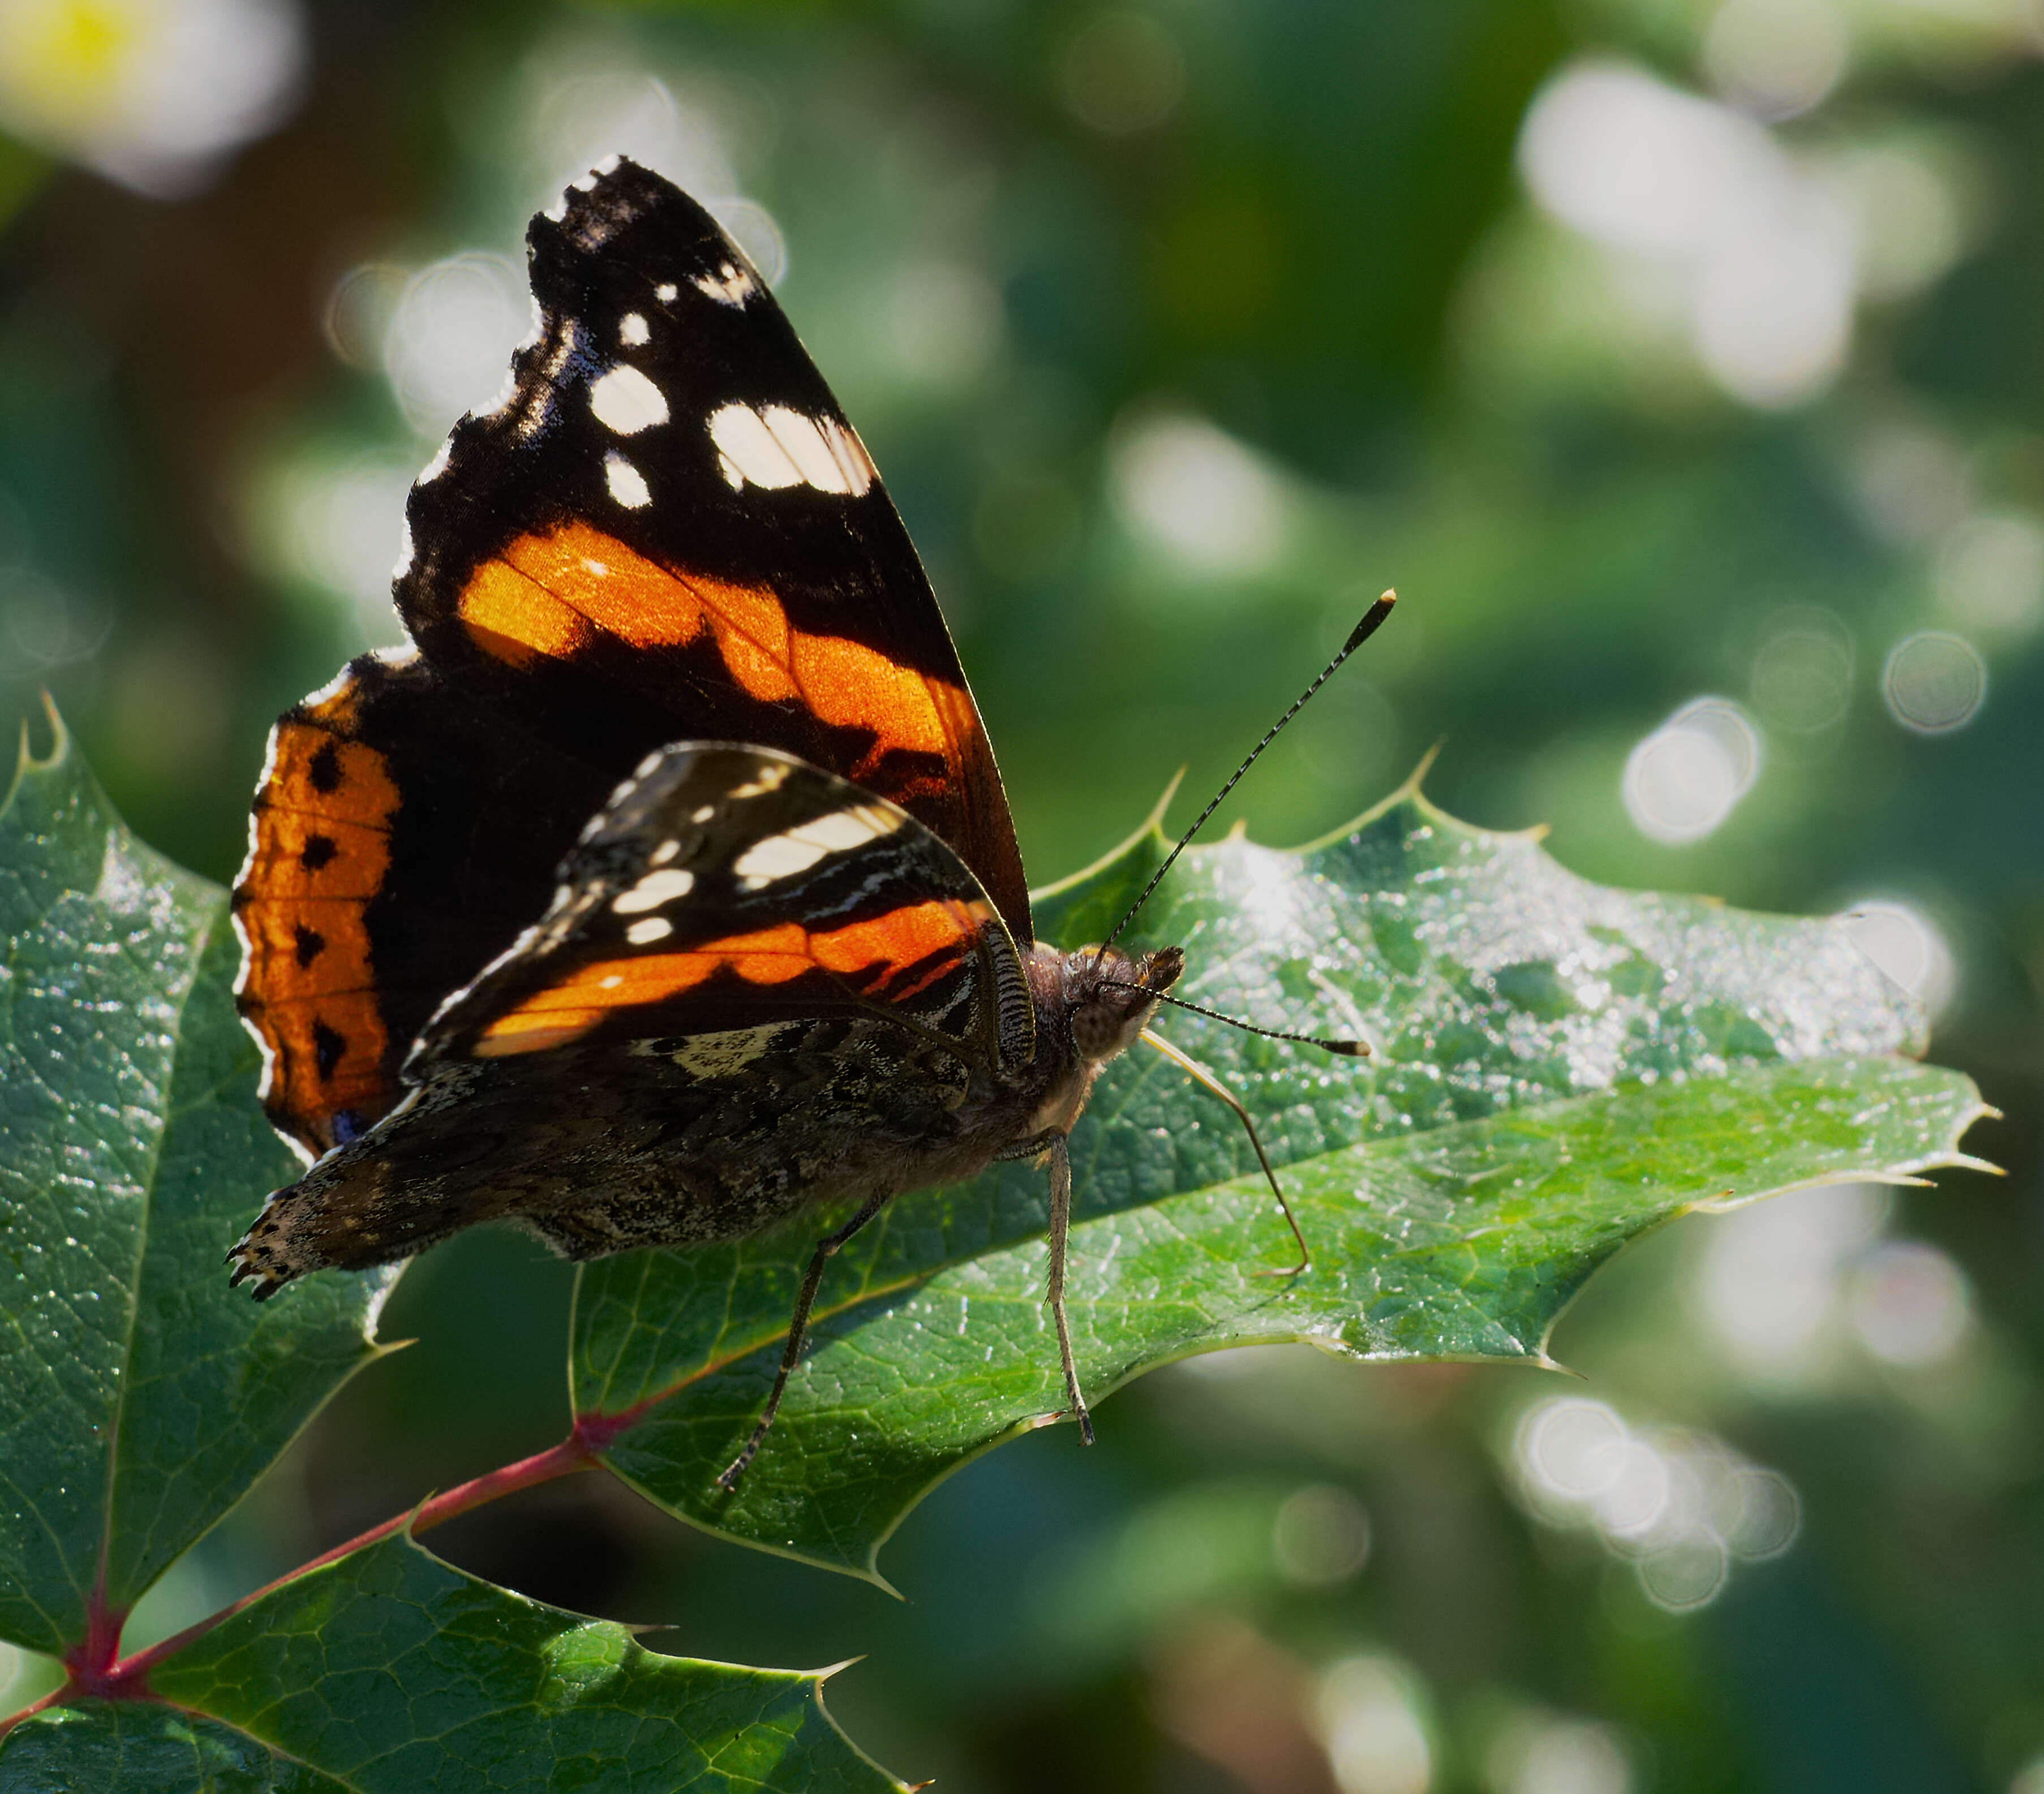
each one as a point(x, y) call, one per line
point(1372, 620)
point(1348, 1049)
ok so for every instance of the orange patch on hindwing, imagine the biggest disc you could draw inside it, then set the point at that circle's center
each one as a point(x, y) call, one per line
point(871, 955)
point(319, 851)
point(550, 595)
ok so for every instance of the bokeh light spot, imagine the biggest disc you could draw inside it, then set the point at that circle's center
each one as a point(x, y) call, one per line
point(1681, 1506)
point(585, 108)
point(448, 347)
point(48, 625)
point(1772, 1274)
point(1375, 1740)
point(150, 92)
point(1689, 1572)
point(1320, 1536)
point(1902, 942)
point(1802, 675)
point(1991, 572)
point(1548, 1754)
point(1762, 247)
point(1682, 781)
point(1123, 73)
point(1910, 1304)
point(1773, 59)
point(1935, 682)
point(1199, 495)
point(754, 229)
point(944, 322)
point(359, 310)
point(1573, 1448)
point(1910, 482)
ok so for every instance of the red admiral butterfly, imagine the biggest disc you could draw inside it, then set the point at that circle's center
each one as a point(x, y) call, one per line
point(788, 960)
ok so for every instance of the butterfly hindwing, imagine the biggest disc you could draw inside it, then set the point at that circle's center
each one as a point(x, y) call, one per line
point(725, 886)
point(666, 530)
point(757, 986)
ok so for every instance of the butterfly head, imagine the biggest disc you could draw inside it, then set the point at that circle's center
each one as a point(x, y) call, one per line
point(1110, 995)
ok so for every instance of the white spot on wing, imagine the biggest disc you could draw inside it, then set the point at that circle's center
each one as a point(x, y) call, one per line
point(654, 890)
point(750, 449)
point(772, 775)
point(664, 852)
point(779, 447)
point(625, 401)
point(644, 933)
point(704, 813)
point(627, 485)
point(803, 438)
point(730, 285)
point(797, 849)
point(850, 454)
point(667, 291)
point(631, 330)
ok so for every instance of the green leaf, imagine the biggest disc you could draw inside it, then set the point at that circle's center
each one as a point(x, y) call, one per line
point(140, 1396)
point(142, 1747)
point(1559, 1067)
point(388, 1671)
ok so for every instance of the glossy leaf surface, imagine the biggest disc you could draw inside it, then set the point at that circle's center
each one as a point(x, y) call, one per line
point(1560, 1066)
point(140, 1396)
point(388, 1671)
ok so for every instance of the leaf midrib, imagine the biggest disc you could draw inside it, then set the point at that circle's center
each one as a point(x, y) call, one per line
point(171, 1113)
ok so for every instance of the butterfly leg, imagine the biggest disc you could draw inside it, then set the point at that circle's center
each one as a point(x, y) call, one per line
point(1061, 1227)
point(1199, 1073)
point(827, 1249)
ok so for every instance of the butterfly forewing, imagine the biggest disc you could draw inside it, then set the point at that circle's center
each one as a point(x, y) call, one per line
point(666, 531)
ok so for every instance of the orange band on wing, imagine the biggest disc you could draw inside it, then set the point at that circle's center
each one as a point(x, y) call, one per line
point(320, 850)
point(551, 595)
point(882, 950)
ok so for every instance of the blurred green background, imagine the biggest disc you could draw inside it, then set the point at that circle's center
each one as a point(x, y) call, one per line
point(1681, 361)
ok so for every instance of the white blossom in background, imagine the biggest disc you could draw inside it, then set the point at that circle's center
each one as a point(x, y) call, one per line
point(153, 94)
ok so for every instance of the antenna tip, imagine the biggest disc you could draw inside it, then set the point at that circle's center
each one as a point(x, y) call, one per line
point(1367, 628)
point(1388, 597)
point(1348, 1049)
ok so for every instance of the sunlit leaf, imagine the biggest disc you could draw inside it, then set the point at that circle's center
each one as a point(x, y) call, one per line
point(1560, 1066)
point(387, 1672)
